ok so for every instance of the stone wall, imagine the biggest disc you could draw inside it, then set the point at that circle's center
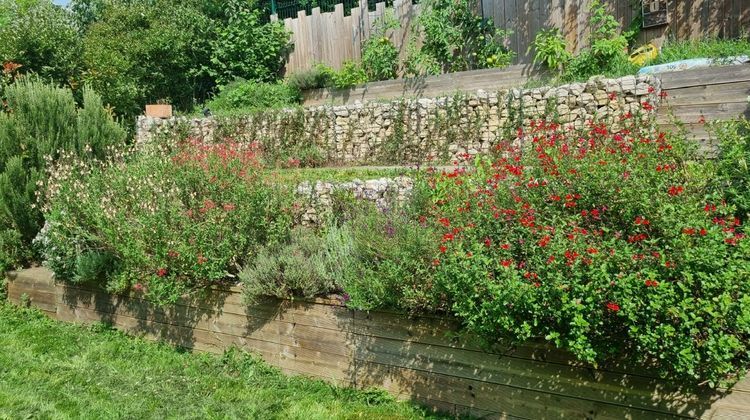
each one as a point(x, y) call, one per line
point(318, 198)
point(412, 131)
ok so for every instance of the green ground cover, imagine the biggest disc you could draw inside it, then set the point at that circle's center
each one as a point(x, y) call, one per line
point(54, 370)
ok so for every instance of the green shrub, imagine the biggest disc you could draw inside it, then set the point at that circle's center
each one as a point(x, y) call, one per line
point(165, 222)
point(733, 164)
point(550, 49)
point(248, 48)
point(379, 55)
point(145, 52)
point(315, 78)
point(40, 122)
point(390, 264)
point(454, 38)
point(606, 243)
point(299, 267)
point(42, 38)
point(350, 75)
point(242, 96)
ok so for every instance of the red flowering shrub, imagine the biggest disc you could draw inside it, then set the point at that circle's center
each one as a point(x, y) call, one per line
point(164, 222)
point(602, 242)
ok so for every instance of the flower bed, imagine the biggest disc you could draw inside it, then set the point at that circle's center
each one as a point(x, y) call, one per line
point(609, 243)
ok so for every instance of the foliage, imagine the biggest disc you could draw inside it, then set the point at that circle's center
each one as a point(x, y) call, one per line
point(604, 242)
point(145, 52)
point(549, 48)
point(248, 48)
point(379, 55)
point(41, 121)
point(302, 266)
point(319, 76)
point(389, 262)
point(243, 96)
point(134, 378)
point(42, 38)
point(674, 50)
point(733, 172)
point(350, 75)
point(164, 222)
point(454, 39)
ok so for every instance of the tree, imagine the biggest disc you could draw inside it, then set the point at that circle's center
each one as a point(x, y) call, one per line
point(42, 38)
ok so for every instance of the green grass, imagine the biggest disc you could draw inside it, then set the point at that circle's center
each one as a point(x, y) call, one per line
point(705, 48)
point(295, 176)
point(54, 370)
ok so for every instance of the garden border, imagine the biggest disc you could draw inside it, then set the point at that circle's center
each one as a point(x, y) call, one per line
point(419, 358)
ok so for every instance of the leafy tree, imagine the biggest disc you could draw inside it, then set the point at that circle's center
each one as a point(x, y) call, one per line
point(143, 52)
point(247, 47)
point(42, 38)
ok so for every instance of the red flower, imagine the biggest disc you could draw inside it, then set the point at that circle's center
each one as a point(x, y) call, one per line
point(487, 242)
point(703, 232)
point(506, 263)
point(675, 190)
point(663, 94)
point(448, 237)
point(443, 248)
point(688, 231)
point(613, 306)
point(647, 106)
point(702, 120)
point(161, 272)
point(436, 262)
point(651, 283)
point(641, 221)
point(544, 241)
point(505, 246)
point(651, 89)
point(709, 208)
point(138, 287)
point(445, 222)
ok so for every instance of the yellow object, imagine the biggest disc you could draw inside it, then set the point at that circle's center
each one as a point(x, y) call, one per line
point(643, 54)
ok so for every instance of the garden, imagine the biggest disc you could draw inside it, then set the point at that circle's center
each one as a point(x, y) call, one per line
point(611, 240)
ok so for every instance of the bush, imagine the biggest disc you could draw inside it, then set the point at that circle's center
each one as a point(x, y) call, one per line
point(315, 78)
point(145, 52)
point(248, 48)
point(379, 55)
point(302, 266)
point(390, 262)
point(41, 121)
point(164, 222)
point(454, 39)
point(244, 96)
point(604, 242)
point(733, 163)
point(674, 50)
point(350, 75)
point(550, 49)
point(43, 39)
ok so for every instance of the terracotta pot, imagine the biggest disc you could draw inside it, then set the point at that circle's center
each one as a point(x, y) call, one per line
point(159, 111)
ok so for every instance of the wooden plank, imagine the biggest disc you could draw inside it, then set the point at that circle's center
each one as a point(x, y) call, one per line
point(705, 76)
point(718, 93)
point(696, 113)
point(605, 387)
point(502, 399)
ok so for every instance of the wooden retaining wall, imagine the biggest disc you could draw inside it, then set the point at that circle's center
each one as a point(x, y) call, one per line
point(490, 80)
point(413, 358)
point(694, 97)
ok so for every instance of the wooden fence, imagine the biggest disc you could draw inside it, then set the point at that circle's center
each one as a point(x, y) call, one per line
point(688, 19)
point(333, 38)
point(413, 358)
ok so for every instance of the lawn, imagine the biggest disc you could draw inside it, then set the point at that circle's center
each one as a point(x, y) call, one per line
point(50, 369)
